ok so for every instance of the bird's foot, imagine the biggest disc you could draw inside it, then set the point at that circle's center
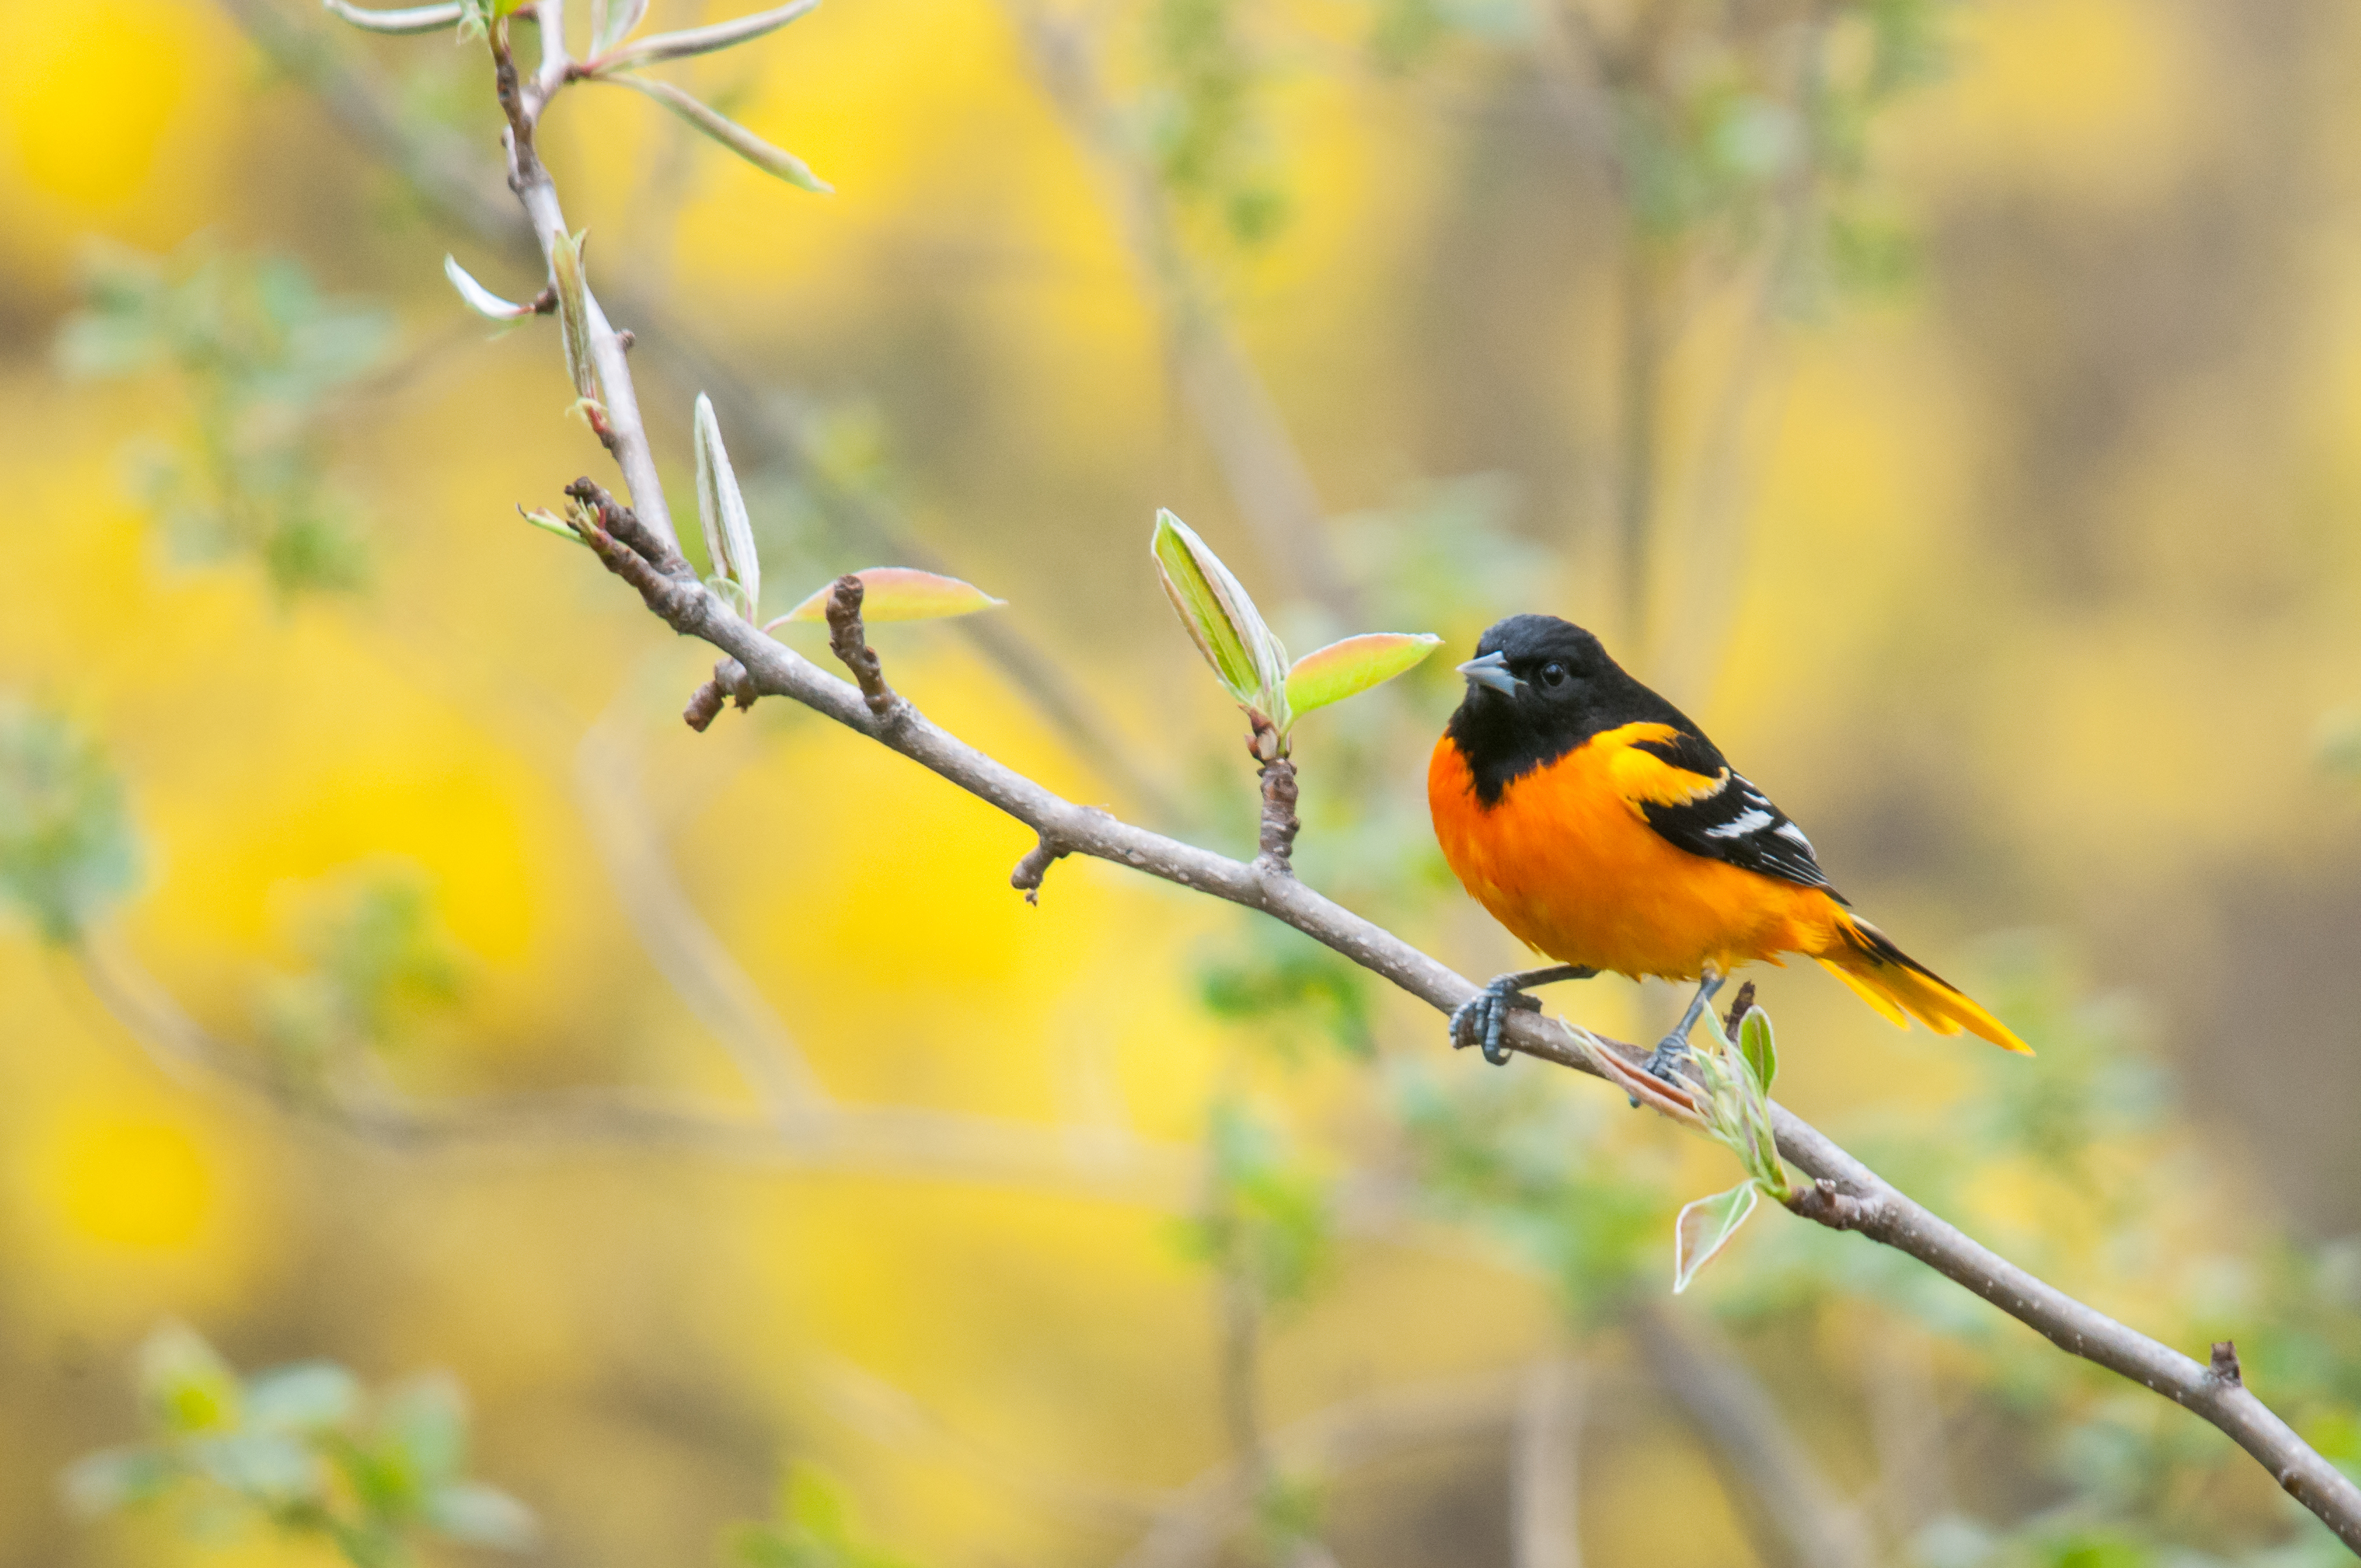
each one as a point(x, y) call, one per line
point(1665, 1063)
point(1666, 1060)
point(1480, 1020)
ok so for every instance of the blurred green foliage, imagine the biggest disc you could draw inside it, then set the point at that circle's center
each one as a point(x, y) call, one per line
point(302, 1449)
point(1289, 988)
point(815, 1529)
point(255, 357)
point(67, 847)
point(1206, 130)
point(380, 963)
point(1267, 1221)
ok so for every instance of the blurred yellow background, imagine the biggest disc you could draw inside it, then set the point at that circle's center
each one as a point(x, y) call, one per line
point(2026, 584)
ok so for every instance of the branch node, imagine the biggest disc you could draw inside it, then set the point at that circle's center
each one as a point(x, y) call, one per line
point(1034, 866)
point(1823, 1204)
point(1280, 826)
point(2225, 1368)
point(632, 551)
point(731, 682)
point(1738, 1006)
point(848, 640)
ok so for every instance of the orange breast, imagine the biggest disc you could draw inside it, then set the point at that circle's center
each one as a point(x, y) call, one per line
point(1567, 863)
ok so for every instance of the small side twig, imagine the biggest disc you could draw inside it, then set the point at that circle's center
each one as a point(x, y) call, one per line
point(848, 640)
point(1280, 825)
point(1030, 871)
point(1823, 1204)
point(2225, 1368)
point(1737, 1008)
point(730, 683)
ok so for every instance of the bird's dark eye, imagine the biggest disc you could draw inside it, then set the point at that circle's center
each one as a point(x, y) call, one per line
point(1552, 673)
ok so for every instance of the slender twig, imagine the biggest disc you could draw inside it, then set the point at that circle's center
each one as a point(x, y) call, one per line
point(700, 970)
point(848, 640)
point(1544, 1489)
point(1192, 1528)
point(893, 1140)
point(1795, 1518)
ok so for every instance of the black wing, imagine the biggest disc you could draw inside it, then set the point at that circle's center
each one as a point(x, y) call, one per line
point(1736, 824)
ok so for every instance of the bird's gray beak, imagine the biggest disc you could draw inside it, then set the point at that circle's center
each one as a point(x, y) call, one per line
point(1492, 671)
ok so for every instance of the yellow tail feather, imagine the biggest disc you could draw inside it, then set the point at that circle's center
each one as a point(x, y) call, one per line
point(1901, 988)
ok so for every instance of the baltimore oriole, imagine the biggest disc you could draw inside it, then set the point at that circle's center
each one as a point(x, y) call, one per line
point(1600, 827)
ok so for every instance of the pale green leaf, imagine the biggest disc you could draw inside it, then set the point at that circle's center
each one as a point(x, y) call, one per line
point(1222, 619)
point(1757, 1044)
point(550, 522)
point(482, 1515)
point(411, 19)
point(426, 1421)
point(621, 17)
point(901, 593)
point(185, 1383)
point(480, 299)
point(574, 316)
point(728, 533)
point(114, 1479)
point(1705, 1227)
point(269, 1466)
point(702, 40)
point(728, 132)
point(308, 1396)
point(1351, 667)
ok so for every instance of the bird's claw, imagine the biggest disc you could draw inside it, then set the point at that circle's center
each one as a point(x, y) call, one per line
point(1665, 1061)
point(1480, 1020)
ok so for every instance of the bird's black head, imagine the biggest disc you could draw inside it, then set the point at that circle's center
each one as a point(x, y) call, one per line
point(1537, 688)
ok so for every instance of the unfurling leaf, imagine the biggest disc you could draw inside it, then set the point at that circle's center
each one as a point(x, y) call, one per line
point(728, 132)
point(1222, 619)
point(573, 315)
point(1351, 667)
point(622, 15)
point(1705, 1227)
point(480, 299)
point(701, 40)
point(728, 533)
point(902, 593)
point(1756, 1044)
point(550, 522)
point(413, 19)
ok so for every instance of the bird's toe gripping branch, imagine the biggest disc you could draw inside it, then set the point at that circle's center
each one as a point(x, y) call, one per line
point(1480, 1019)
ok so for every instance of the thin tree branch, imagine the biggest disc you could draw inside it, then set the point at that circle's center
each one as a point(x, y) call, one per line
point(700, 970)
point(1544, 1488)
point(1192, 1529)
point(1796, 1518)
point(1095, 1162)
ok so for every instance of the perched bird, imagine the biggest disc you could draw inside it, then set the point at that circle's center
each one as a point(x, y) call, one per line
point(1599, 825)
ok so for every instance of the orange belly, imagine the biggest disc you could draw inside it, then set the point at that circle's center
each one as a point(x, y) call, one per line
point(1565, 863)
